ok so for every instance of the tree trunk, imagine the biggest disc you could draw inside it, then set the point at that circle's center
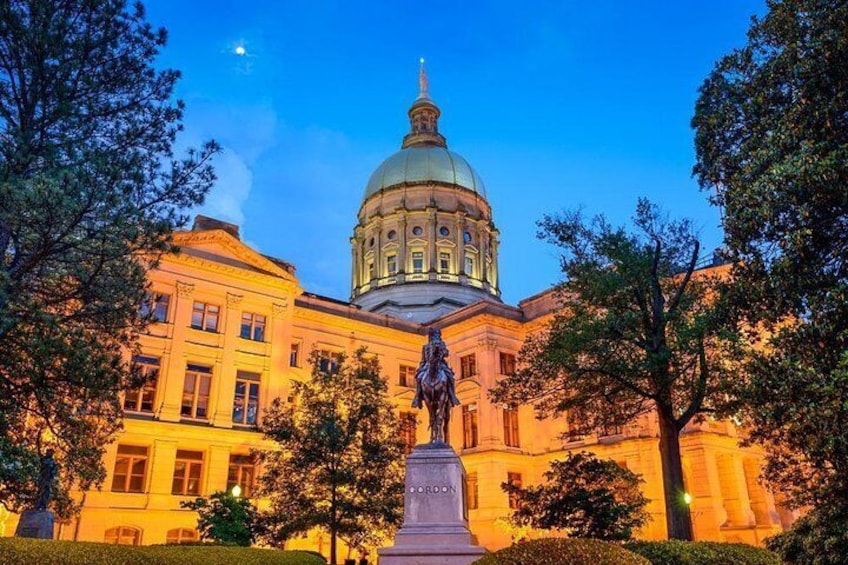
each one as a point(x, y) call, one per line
point(678, 520)
point(333, 547)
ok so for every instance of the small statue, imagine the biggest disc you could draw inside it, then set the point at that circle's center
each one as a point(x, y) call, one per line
point(46, 480)
point(435, 385)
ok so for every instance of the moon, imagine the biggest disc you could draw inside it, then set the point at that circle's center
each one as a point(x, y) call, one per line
point(240, 51)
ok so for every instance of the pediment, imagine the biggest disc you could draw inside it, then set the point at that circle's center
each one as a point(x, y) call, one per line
point(219, 247)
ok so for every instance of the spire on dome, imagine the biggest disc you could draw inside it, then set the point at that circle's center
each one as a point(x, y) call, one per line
point(423, 85)
point(424, 117)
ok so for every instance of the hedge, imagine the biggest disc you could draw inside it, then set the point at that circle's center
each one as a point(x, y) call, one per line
point(21, 551)
point(563, 551)
point(702, 553)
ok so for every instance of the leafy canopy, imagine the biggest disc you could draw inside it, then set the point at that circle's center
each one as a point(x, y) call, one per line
point(586, 496)
point(90, 191)
point(339, 462)
point(772, 144)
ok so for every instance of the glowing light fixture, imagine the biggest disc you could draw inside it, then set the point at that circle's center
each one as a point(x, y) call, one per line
point(236, 491)
point(687, 498)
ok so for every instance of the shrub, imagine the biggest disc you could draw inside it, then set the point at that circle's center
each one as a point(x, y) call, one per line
point(675, 552)
point(19, 551)
point(563, 551)
point(819, 538)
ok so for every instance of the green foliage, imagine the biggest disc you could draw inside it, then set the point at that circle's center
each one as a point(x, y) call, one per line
point(675, 552)
point(819, 538)
point(19, 551)
point(772, 141)
point(224, 518)
point(589, 497)
point(639, 331)
point(90, 191)
point(558, 551)
point(339, 465)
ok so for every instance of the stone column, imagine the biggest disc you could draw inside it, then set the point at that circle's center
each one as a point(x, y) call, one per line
point(493, 277)
point(160, 469)
point(460, 253)
point(274, 384)
point(707, 508)
point(171, 383)
point(221, 395)
point(401, 259)
point(354, 267)
point(484, 251)
point(431, 239)
point(490, 415)
point(218, 466)
point(736, 499)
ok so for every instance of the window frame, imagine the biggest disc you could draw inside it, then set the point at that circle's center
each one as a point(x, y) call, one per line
point(408, 422)
point(514, 479)
point(190, 463)
point(512, 438)
point(178, 538)
point(207, 312)
point(417, 256)
point(391, 264)
point(255, 325)
point(242, 464)
point(131, 460)
point(507, 361)
point(472, 491)
point(468, 366)
point(470, 426)
point(146, 393)
point(198, 373)
point(406, 375)
point(251, 382)
point(119, 535)
point(294, 354)
point(444, 262)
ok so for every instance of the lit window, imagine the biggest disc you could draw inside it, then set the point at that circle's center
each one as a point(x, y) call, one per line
point(467, 366)
point(205, 317)
point(510, 416)
point(515, 480)
point(406, 375)
point(469, 266)
point(123, 535)
point(130, 469)
point(329, 362)
point(507, 363)
point(417, 261)
point(469, 426)
point(444, 262)
point(294, 355)
point(196, 388)
point(141, 399)
point(246, 399)
point(252, 326)
point(472, 499)
point(181, 535)
point(408, 431)
point(187, 473)
point(155, 306)
point(391, 265)
point(242, 472)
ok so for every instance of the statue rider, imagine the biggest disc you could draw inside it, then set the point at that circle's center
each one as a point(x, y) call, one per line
point(434, 341)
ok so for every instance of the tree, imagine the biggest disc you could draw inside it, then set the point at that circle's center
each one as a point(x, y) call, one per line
point(225, 518)
point(771, 127)
point(639, 331)
point(339, 462)
point(817, 538)
point(90, 191)
point(589, 497)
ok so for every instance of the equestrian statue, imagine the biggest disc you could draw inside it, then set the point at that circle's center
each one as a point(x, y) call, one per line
point(435, 386)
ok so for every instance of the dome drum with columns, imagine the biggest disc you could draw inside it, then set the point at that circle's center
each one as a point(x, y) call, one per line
point(425, 243)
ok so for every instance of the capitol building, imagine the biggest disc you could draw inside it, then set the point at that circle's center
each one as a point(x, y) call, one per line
point(235, 329)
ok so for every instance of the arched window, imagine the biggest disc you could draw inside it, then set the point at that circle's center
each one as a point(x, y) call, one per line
point(180, 535)
point(123, 535)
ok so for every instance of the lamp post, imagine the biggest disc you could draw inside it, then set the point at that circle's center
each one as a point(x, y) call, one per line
point(236, 491)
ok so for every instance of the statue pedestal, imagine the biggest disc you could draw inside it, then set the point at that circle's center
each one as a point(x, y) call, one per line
point(435, 523)
point(35, 524)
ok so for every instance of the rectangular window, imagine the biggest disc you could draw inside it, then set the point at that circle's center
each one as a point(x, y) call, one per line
point(141, 399)
point(467, 366)
point(417, 261)
point(406, 375)
point(507, 363)
point(575, 431)
point(155, 306)
point(472, 497)
point(188, 470)
point(252, 326)
point(391, 265)
point(329, 362)
point(469, 266)
point(444, 262)
point(242, 472)
point(408, 430)
point(205, 317)
point(198, 381)
point(130, 469)
point(469, 426)
point(246, 399)
point(611, 430)
point(294, 355)
point(371, 273)
point(510, 416)
point(515, 480)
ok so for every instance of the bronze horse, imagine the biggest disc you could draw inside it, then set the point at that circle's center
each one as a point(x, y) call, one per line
point(435, 392)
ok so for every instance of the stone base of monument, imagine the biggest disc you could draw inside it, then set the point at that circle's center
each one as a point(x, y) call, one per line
point(435, 520)
point(35, 524)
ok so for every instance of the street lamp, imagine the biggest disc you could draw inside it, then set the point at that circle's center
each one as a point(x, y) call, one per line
point(236, 491)
point(687, 498)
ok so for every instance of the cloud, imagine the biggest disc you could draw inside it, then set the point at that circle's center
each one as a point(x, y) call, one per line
point(235, 179)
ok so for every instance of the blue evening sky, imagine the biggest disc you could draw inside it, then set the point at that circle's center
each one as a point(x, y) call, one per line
point(557, 105)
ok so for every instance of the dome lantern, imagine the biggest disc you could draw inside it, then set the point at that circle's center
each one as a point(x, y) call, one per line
point(423, 117)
